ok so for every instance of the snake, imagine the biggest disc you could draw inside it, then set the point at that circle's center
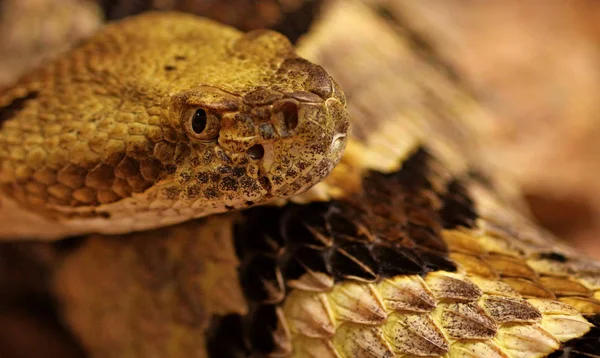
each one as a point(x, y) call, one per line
point(224, 203)
point(223, 134)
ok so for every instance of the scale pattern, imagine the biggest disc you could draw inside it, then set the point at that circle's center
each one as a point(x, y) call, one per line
point(425, 260)
point(104, 131)
point(418, 264)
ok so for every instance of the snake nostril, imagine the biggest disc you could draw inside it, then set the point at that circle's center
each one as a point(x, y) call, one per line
point(256, 151)
point(290, 115)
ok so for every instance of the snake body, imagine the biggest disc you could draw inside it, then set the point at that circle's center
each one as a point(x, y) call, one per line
point(406, 249)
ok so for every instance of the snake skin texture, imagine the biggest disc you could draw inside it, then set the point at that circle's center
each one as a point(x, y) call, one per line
point(103, 138)
point(408, 268)
point(421, 263)
point(410, 251)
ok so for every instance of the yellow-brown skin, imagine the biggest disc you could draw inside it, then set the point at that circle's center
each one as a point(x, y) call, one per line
point(156, 294)
point(101, 140)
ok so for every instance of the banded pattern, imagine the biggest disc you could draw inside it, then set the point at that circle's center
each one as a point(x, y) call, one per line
point(421, 261)
point(407, 267)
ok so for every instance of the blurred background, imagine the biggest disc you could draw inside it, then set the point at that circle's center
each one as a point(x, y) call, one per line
point(534, 65)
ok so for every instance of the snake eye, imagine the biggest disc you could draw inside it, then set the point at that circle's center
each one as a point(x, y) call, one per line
point(201, 124)
point(199, 121)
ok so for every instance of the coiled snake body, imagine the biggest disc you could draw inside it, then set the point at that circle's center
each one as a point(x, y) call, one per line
point(405, 249)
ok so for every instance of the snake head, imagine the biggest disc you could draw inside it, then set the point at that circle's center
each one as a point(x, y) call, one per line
point(270, 139)
point(133, 130)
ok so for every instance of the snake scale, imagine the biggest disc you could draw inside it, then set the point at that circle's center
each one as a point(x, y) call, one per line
point(405, 248)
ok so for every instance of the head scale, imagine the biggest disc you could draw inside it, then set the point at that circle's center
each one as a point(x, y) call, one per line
point(146, 128)
point(261, 139)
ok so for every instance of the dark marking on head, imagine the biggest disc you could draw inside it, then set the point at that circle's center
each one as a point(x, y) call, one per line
point(238, 172)
point(170, 68)
point(171, 193)
point(185, 176)
point(228, 184)
point(192, 191)
point(9, 111)
point(214, 177)
point(202, 177)
point(211, 193)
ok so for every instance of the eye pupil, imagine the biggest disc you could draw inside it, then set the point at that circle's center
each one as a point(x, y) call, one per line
point(199, 121)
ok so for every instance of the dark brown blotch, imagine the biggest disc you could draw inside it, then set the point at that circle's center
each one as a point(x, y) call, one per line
point(211, 193)
point(267, 329)
point(228, 184)
point(9, 111)
point(185, 176)
point(297, 232)
point(202, 177)
point(554, 256)
point(458, 208)
point(295, 263)
point(192, 192)
point(354, 260)
point(261, 279)
point(397, 260)
point(171, 193)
